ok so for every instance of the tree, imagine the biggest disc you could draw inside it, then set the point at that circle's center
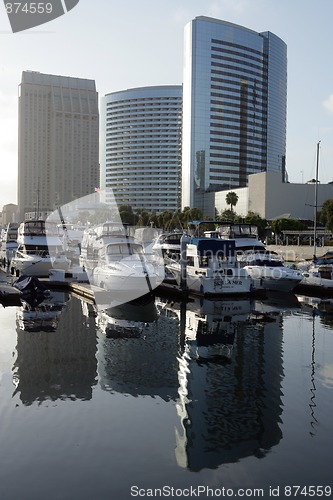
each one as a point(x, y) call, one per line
point(143, 217)
point(190, 214)
point(231, 199)
point(229, 215)
point(282, 224)
point(126, 214)
point(325, 216)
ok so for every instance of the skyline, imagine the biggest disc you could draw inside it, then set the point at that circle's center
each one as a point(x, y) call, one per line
point(141, 44)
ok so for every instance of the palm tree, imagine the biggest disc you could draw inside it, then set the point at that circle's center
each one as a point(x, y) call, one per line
point(231, 199)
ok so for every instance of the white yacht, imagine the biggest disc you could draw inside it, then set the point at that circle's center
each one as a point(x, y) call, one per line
point(168, 246)
point(269, 272)
point(245, 235)
point(266, 268)
point(97, 237)
point(8, 243)
point(117, 263)
point(39, 249)
point(208, 266)
point(318, 277)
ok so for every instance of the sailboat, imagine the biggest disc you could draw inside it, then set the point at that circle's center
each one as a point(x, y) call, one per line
point(318, 277)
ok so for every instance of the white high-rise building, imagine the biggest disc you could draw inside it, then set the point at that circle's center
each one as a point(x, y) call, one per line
point(58, 157)
point(234, 108)
point(141, 147)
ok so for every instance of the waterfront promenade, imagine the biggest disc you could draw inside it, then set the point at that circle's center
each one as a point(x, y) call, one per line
point(295, 253)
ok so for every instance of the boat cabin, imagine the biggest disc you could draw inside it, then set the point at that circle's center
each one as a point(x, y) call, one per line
point(202, 252)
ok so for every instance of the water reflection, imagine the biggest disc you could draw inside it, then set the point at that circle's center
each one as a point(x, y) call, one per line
point(127, 320)
point(143, 359)
point(219, 362)
point(56, 364)
point(41, 313)
point(229, 402)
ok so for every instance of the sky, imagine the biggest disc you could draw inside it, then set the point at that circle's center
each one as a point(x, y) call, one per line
point(133, 43)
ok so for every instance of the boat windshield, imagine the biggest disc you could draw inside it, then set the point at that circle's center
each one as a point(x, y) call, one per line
point(118, 251)
point(239, 231)
point(264, 259)
point(111, 229)
point(40, 250)
point(34, 227)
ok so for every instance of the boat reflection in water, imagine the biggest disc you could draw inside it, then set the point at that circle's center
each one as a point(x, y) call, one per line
point(218, 364)
point(58, 365)
point(210, 327)
point(138, 356)
point(127, 320)
point(230, 372)
point(41, 313)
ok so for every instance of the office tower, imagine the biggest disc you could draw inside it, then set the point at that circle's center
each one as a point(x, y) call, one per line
point(234, 108)
point(58, 158)
point(141, 147)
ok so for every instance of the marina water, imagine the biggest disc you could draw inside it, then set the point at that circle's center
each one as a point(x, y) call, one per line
point(166, 398)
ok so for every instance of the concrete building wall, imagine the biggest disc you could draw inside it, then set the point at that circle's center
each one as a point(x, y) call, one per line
point(269, 197)
point(58, 156)
point(242, 206)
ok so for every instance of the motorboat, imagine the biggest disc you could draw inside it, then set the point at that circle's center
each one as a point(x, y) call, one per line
point(246, 236)
point(8, 243)
point(168, 246)
point(116, 262)
point(317, 278)
point(39, 250)
point(95, 238)
point(269, 272)
point(71, 236)
point(208, 266)
point(266, 268)
point(123, 269)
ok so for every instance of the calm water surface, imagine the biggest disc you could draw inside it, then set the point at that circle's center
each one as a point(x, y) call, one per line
point(211, 394)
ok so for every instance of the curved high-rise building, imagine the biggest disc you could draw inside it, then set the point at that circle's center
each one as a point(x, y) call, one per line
point(234, 108)
point(141, 134)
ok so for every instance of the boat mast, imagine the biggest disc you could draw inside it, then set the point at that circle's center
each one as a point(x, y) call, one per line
point(37, 215)
point(316, 204)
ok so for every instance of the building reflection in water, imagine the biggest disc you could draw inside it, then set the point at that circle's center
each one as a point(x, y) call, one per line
point(218, 362)
point(138, 355)
point(230, 374)
point(56, 348)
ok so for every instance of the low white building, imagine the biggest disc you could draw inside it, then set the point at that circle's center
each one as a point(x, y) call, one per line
point(269, 197)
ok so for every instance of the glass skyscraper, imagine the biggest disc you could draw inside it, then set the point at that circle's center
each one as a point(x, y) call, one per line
point(234, 108)
point(141, 147)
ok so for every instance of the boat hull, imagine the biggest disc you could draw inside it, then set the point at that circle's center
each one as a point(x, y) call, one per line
point(123, 285)
point(36, 266)
point(274, 278)
point(317, 279)
point(216, 284)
